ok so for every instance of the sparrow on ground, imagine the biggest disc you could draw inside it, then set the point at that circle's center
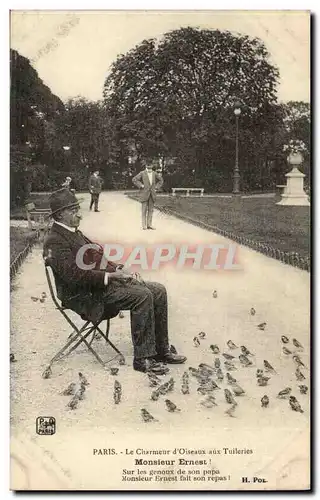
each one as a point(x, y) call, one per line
point(295, 405)
point(171, 406)
point(246, 351)
point(173, 349)
point(35, 299)
point(285, 339)
point(209, 402)
point(252, 311)
point(203, 390)
point(170, 385)
point(80, 392)
point(117, 386)
point(263, 381)
point(229, 366)
point(117, 397)
point(12, 358)
point(303, 389)
point(297, 344)
point(237, 390)
point(196, 342)
point(146, 416)
point(83, 379)
point(201, 335)
point(154, 381)
point(73, 403)
point(268, 367)
point(43, 295)
point(185, 377)
point(264, 401)
point(121, 315)
point(230, 379)
point(114, 370)
point(70, 390)
point(217, 363)
point(228, 356)
point(286, 351)
point(284, 393)
point(206, 368)
point(231, 345)
point(185, 389)
point(231, 410)
point(259, 372)
point(220, 376)
point(229, 397)
point(215, 294)
point(155, 395)
point(121, 360)
point(299, 375)
point(42, 300)
point(244, 360)
point(215, 349)
point(262, 326)
point(297, 360)
point(47, 372)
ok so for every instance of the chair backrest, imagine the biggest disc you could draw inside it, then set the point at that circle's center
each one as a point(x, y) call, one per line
point(51, 282)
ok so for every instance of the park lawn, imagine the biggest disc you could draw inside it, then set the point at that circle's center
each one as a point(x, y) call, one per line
point(19, 238)
point(259, 219)
point(41, 200)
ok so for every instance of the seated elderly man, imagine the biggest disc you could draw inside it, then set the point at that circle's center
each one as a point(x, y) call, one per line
point(92, 292)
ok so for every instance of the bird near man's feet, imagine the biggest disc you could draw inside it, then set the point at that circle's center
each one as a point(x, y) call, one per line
point(229, 397)
point(215, 349)
point(202, 335)
point(245, 351)
point(231, 345)
point(299, 375)
point(231, 411)
point(231, 380)
point(70, 390)
point(83, 379)
point(47, 372)
point(196, 342)
point(146, 416)
point(262, 326)
point(298, 361)
point(268, 367)
point(171, 407)
point(264, 401)
point(244, 360)
point(252, 311)
point(286, 351)
point(284, 339)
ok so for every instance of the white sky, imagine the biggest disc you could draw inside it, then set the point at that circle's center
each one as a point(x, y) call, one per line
point(77, 63)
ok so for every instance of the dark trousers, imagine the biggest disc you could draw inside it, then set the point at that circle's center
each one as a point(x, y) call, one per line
point(147, 212)
point(94, 200)
point(148, 308)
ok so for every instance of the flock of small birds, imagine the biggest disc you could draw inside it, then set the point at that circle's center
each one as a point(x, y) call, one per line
point(210, 377)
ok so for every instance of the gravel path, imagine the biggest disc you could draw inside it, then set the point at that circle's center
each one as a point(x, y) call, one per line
point(280, 296)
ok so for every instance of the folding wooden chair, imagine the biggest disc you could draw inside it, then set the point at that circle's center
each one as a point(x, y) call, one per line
point(81, 335)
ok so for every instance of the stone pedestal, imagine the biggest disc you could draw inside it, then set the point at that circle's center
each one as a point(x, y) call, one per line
point(293, 194)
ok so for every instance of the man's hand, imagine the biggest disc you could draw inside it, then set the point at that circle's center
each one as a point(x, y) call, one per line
point(120, 275)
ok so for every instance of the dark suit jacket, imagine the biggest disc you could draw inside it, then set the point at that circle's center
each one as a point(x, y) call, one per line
point(95, 184)
point(141, 180)
point(78, 289)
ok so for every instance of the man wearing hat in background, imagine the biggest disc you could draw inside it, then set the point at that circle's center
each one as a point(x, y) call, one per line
point(95, 188)
point(149, 182)
point(92, 292)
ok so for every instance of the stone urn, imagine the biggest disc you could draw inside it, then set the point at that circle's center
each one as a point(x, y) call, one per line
point(294, 194)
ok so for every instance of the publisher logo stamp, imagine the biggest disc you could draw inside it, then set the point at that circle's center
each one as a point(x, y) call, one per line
point(45, 426)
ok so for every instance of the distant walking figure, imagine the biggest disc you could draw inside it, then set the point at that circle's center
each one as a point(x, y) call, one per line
point(149, 182)
point(95, 188)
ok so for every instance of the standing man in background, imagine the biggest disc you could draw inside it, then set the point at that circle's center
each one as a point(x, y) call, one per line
point(149, 182)
point(95, 188)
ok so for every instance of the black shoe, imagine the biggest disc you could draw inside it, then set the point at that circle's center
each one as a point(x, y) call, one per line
point(97, 210)
point(171, 358)
point(150, 227)
point(149, 365)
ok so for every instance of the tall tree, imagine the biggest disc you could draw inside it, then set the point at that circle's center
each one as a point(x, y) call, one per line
point(175, 96)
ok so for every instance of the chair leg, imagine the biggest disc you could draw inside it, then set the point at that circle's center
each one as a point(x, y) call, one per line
point(72, 339)
point(106, 337)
